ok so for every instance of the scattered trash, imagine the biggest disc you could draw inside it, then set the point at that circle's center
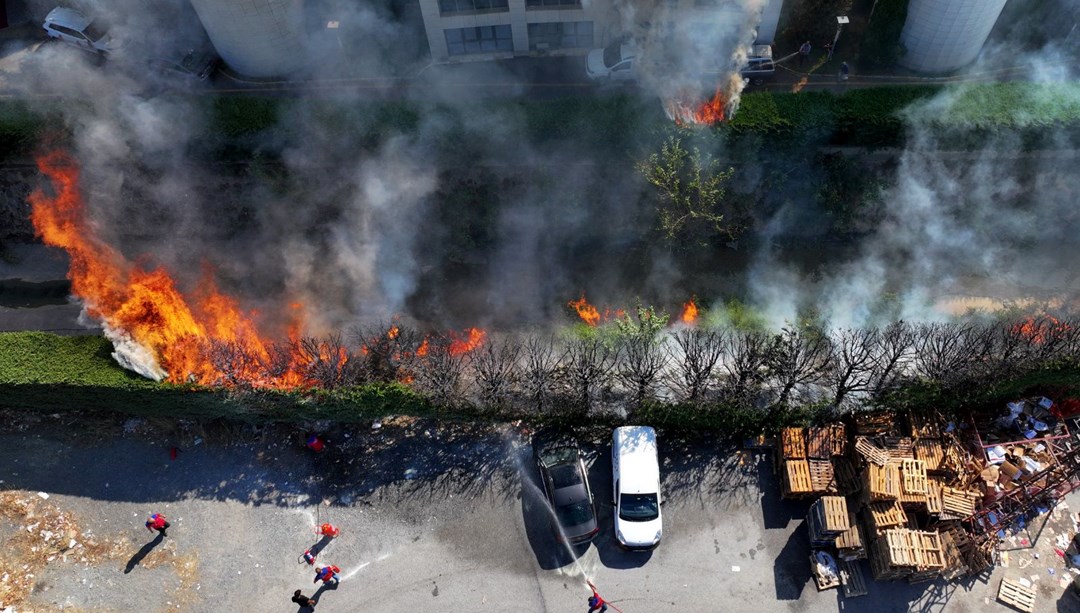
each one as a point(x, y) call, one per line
point(736, 569)
point(1050, 571)
point(43, 495)
point(377, 425)
point(198, 440)
point(1024, 582)
point(410, 473)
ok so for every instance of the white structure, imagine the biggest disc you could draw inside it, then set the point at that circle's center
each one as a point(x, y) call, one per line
point(256, 38)
point(943, 35)
point(495, 29)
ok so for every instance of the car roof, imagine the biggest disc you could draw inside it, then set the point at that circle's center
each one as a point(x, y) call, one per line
point(639, 468)
point(67, 17)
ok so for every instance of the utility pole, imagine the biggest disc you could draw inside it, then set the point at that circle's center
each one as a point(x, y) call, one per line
point(840, 21)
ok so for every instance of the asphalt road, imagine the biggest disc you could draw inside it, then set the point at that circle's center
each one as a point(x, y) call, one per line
point(432, 519)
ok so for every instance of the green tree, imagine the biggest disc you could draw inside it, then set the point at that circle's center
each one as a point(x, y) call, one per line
point(692, 192)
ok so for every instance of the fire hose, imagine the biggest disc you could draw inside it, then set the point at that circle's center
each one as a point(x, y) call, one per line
point(590, 584)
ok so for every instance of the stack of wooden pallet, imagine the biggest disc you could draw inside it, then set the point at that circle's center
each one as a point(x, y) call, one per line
point(873, 424)
point(914, 486)
point(957, 503)
point(806, 459)
point(850, 543)
point(929, 451)
point(882, 482)
point(828, 519)
point(901, 553)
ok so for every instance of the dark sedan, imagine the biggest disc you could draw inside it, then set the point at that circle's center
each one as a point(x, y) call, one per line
point(566, 486)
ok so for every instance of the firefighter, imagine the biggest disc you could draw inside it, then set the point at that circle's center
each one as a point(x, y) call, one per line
point(157, 522)
point(329, 529)
point(596, 602)
point(328, 575)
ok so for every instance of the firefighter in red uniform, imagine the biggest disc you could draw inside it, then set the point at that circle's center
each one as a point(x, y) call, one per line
point(327, 574)
point(157, 522)
point(329, 529)
point(596, 603)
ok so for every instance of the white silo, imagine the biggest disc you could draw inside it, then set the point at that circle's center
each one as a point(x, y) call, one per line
point(256, 38)
point(943, 35)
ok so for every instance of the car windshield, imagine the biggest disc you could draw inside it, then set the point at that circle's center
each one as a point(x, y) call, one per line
point(613, 54)
point(574, 514)
point(639, 507)
point(94, 31)
point(558, 455)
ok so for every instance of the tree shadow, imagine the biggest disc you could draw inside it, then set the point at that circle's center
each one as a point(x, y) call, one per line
point(540, 528)
point(142, 553)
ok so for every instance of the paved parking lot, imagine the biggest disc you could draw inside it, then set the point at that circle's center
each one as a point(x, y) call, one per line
point(432, 519)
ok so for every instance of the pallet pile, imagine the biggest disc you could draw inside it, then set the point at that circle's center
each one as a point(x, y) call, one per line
point(806, 460)
point(903, 553)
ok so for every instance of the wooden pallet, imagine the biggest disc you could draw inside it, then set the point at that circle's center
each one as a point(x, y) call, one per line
point(899, 447)
point(879, 563)
point(797, 478)
point(852, 579)
point(838, 440)
point(884, 515)
point(883, 482)
point(819, 443)
point(822, 478)
point(823, 583)
point(901, 548)
point(928, 550)
point(872, 424)
point(954, 561)
point(848, 481)
point(957, 503)
point(1015, 595)
point(850, 542)
point(925, 426)
point(921, 576)
point(929, 450)
point(914, 477)
point(833, 514)
point(871, 452)
point(933, 495)
point(793, 443)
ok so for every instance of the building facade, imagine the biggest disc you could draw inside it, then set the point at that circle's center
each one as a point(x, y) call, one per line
point(466, 30)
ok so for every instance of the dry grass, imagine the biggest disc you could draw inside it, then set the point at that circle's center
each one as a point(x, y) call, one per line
point(41, 534)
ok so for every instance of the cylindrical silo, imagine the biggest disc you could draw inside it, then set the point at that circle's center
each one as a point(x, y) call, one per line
point(256, 38)
point(943, 35)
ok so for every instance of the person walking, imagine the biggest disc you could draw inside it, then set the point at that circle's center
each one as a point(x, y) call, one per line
point(596, 602)
point(299, 598)
point(804, 53)
point(328, 575)
point(157, 522)
point(845, 70)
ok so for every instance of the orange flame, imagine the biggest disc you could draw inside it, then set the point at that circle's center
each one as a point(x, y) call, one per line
point(393, 332)
point(474, 339)
point(685, 109)
point(712, 111)
point(146, 304)
point(587, 312)
point(689, 313)
point(422, 350)
point(1040, 330)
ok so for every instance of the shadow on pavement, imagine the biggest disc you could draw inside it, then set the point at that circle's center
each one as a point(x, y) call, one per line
point(142, 553)
point(540, 525)
point(791, 569)
point(776, 513)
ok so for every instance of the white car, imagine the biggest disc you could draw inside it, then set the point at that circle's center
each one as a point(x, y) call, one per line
point(636, 472)
point(612, 63)
point(72, 27)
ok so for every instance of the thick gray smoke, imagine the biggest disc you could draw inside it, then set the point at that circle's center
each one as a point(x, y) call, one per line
point(468, 217)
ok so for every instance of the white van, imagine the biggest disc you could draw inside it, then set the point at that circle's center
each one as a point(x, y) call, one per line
point(636, 475)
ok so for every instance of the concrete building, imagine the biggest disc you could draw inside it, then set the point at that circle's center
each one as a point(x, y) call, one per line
point(256, 38)
point(943, 35)
point(466, 30)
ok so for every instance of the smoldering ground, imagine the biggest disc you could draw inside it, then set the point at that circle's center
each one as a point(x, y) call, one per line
point(455, 213)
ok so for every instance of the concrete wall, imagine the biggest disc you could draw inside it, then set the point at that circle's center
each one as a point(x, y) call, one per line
point(256, 38)
point(943, 35)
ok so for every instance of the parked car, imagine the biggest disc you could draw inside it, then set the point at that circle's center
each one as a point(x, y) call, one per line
point(74, 28)
point(196, 64)
point(636, 473)
point(612, 63)
point(760, 66)
point(566, 485)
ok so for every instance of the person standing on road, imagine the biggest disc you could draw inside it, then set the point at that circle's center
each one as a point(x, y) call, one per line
point(299, 598)
point(596, 603)
point(804, 53)
point(157, 522)
point(845, 70)
point(328, 575)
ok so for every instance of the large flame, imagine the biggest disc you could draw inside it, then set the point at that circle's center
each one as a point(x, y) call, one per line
point(145, 308)
point(686, 108)
point(473, 339)
point(1039, 330)
point(689, 313)
point(587, 312)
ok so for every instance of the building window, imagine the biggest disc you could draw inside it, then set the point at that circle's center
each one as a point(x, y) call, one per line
point(461, 41)
point(447, 7)
point(540, 4)
point(561, 35)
